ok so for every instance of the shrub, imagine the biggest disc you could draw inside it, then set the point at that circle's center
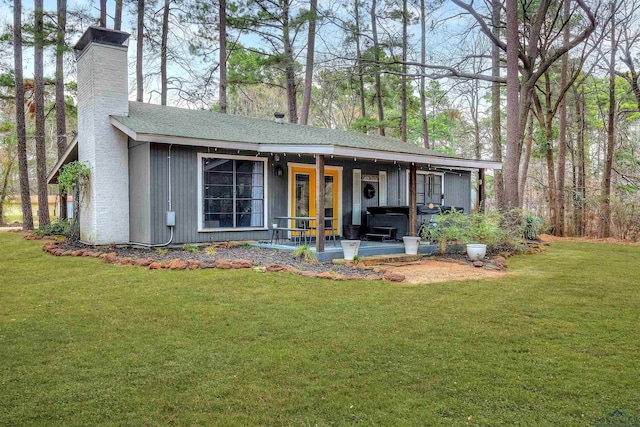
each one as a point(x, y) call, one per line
point(483, 228)
point(57, 228)
point(74, 178)
point(306, 254)
point(499, 232)
point(449, 228)
point(192, 249)
point(532, 227)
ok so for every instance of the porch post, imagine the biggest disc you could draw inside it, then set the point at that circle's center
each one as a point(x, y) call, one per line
point(482, 194)
point(320, 203)
point(413, 207)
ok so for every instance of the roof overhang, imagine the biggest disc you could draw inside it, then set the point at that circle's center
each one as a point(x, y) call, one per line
point(332, 150)
point(69, 155)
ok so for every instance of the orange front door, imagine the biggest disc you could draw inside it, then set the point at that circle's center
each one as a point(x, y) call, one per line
point(303, 193)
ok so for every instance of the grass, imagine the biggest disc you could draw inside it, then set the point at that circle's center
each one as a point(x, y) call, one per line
point(13, 212)
point(84, 343)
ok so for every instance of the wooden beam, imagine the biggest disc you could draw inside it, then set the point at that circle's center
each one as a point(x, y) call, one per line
point(413, 206)
point(320, 235)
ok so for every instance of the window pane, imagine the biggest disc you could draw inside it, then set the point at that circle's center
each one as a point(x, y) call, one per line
point(249, 213)
point(221, 178)
point(218, 165)
point(302, 195)
point(218, 191)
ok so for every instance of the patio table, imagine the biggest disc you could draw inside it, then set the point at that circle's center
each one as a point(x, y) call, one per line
point(300, 226)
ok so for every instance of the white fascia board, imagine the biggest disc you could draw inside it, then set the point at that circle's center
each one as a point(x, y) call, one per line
point(63, 160)
point(131, 134)
point(416, 158)
point(297, 149)
point(179, 140)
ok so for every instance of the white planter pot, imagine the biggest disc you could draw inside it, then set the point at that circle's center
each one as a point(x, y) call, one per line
point(411, 244)
point(476, 251)
point(350, 248)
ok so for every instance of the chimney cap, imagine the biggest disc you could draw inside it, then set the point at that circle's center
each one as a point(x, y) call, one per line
point(279, 117)
point(103, 36)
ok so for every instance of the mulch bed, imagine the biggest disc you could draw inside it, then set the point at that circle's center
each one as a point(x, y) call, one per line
point(222, 255)
point(226, 255)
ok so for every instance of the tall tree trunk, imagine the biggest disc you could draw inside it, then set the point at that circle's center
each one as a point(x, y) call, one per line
point(496, 128)
point(562, 137)
point(522, 185)
point(103, 13)
point(363, 107)
point(223, 56)
point(605, 229)
point(376, 57)
point(290, 75)
point(61, 118)
point(117, 18)
point(514, 142)
point(403, 106)
point(21, 131)
point(423, 60)
point(581, 191)
point(163, 52)
point(139, 41)
point(475, 117)
point(308, 74)
point(547, 117)
point(41, 149)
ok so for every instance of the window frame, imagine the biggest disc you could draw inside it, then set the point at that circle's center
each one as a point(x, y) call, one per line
point(421, 172)
point(200, 192)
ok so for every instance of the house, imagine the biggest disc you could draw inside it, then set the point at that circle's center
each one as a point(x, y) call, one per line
point(162, 174)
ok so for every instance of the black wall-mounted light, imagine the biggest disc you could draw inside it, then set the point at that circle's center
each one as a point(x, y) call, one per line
point(279, 171)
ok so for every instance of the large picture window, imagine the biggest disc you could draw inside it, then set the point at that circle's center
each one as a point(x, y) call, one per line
point(233, 192)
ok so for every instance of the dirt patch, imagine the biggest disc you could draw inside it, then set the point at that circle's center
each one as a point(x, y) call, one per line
point(436, 270)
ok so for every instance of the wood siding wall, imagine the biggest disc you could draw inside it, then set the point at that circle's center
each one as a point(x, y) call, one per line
point(184, 185)
point(139, 196)
point(457, 190)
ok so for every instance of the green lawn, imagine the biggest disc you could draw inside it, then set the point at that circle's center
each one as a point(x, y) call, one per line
point(13, 212)
point(82, 343)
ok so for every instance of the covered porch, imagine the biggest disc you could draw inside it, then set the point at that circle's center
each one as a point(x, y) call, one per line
point(415, 200)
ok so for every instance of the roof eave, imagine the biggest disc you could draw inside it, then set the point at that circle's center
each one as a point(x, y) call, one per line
point(69, 155)
point(328, 149)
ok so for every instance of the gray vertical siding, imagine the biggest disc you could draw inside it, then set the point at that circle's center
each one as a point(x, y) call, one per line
point(184, 198)
point(184, 189)
point(139, 192)
point(457, 190)
point(278, 202)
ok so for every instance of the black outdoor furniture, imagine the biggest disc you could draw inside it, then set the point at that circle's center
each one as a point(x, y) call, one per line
point(379, 219)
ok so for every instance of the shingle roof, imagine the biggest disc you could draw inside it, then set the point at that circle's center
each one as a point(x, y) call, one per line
point(152, 122)
point(179, 122)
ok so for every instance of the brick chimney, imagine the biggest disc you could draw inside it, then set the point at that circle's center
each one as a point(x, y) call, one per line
point(101, 55)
